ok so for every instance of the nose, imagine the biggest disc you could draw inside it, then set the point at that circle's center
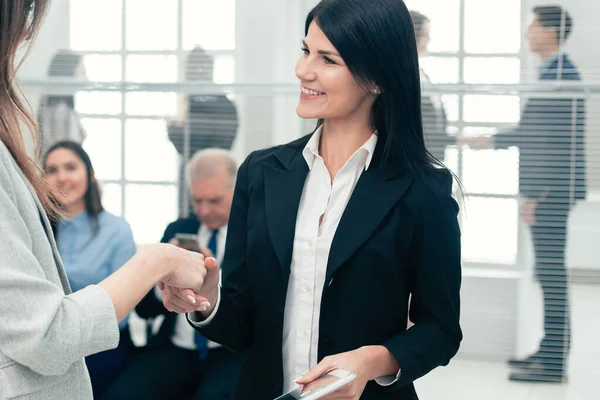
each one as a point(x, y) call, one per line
point(61, 176)
point(304, 69)
point(203, 210)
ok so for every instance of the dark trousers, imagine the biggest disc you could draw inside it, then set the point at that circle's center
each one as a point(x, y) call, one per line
point(105, 367)
point(170, 372)
point(549, 236)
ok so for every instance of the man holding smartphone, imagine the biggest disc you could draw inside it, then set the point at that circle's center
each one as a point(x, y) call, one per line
point(178, 361)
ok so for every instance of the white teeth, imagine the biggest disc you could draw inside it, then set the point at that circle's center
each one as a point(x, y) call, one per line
point(310, 92)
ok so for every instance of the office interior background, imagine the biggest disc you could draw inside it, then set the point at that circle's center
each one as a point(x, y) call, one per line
point(134, 53)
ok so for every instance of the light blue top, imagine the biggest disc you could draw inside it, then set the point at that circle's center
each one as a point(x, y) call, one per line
point(89, 258)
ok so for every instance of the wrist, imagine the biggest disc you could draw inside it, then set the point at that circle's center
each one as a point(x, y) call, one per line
point(212, 298)
point(379, 361)
point(158, 267)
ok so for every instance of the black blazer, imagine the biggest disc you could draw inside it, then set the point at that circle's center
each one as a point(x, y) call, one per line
point(150, 307)
point(398, 235)
point(551, 141)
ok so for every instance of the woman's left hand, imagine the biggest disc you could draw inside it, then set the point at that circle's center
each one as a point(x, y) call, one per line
point(355, 361)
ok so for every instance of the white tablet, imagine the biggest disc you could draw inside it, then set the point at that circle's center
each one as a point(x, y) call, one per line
point(328, 383)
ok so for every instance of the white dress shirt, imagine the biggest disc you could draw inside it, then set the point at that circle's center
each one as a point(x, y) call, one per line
point(312, 243)
point(183, 333)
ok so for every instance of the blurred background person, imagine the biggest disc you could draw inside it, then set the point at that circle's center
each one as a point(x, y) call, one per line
point(552, 177)
point(179, 363)
point(57, 118)
point(92, 243)
point(204, 120)
point(432, 108)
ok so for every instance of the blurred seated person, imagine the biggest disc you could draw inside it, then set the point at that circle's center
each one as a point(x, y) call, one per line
point(57, 117)
point(92, 243)
point(178, 362)
point(432, 108)
point(205, 120)
point(212, 118)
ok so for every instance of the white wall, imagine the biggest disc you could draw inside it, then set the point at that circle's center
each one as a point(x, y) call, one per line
point(253, 60)
point(268, 41)
point(53, 36)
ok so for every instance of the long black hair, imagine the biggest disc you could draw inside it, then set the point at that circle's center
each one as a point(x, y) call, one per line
point(376, 40)
point(93, 202)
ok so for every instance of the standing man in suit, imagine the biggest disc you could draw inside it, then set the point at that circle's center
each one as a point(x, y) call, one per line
point(550, 138)
point(179, 362)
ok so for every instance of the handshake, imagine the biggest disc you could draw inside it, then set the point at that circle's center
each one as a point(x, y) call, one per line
point(187, 300)
point(189, 280)
point(475, 142)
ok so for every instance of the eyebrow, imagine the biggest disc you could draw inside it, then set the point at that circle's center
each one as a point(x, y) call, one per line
point(323, 52)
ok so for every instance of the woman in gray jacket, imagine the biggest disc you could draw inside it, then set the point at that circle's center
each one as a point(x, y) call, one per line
point(45, 330)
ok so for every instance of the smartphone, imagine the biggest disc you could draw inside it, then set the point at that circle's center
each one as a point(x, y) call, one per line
point(187, 241)
point(320, 387)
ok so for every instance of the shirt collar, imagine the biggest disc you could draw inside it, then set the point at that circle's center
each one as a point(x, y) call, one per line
point(221, 231)
point(311, 150)
point(548, 62)
point(79, 220)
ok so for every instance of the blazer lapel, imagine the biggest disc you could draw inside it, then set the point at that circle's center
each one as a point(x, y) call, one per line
point(375, 194)
point(283, 190)
point(48, 230)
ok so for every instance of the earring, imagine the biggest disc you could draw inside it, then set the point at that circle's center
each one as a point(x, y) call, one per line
point(376, 91)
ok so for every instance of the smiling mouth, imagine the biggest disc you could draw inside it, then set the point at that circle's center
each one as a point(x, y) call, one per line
point(310, 92)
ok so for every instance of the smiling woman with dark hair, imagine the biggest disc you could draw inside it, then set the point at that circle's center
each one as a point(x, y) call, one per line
point(329, 235)
point(92, 243)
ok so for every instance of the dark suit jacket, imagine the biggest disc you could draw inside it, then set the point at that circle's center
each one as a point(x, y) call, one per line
point(398, 235)
point(213, 122)
point(150, 306)
point(551, 141)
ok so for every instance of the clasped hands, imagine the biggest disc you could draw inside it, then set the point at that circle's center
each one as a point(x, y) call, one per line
point(201, 297)
point(475, 142)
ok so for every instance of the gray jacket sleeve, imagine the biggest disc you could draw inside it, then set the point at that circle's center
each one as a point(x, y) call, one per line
point(42, 327)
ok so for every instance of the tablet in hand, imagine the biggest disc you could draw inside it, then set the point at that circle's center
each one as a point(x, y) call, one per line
point(320, 387)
